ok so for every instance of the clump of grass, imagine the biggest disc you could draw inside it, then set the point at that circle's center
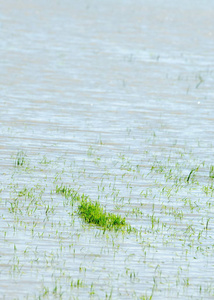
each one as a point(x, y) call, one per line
point(20, 159)
point(93, 213)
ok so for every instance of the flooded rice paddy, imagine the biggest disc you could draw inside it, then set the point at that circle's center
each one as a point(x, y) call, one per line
point(113, 99)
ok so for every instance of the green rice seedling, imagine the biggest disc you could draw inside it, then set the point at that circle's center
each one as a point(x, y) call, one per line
point(93, 213)
point(201, 80)
point(207, 224)
point(211, 173)
point(67, 192)
point(192, 173)
point(90, 151)
point(208, 190)
point(45, 161)
point(20, 159)
point(76, 283)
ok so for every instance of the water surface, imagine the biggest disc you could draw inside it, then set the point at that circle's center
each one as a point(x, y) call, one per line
point(114, 100)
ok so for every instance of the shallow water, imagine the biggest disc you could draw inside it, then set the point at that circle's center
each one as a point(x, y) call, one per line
point(116, 101)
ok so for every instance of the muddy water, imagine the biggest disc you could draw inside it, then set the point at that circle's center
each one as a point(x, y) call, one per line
point(98, 94)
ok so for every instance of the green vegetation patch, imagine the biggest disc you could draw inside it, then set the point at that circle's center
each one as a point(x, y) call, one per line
point(93, 213)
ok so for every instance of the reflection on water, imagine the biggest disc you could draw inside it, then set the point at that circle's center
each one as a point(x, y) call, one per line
point(115, 100)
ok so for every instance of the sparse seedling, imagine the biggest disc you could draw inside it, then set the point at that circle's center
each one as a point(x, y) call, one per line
point(20, 159)
point(169, 208)
point(192, 173)
point(67, 192)
point(211, 173)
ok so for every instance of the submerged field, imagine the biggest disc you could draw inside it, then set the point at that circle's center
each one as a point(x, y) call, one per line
point(49, 252)
point(106, 150)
